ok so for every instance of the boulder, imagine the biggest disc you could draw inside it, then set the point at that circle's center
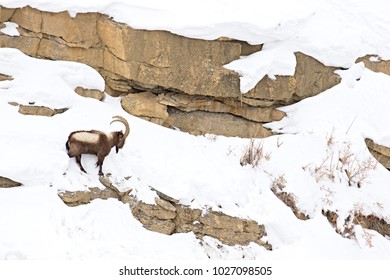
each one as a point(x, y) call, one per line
point(40, 110)
point(145, 105)
point(91, 93)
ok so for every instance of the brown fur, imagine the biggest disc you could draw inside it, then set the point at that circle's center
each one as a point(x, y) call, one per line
point(101, 148)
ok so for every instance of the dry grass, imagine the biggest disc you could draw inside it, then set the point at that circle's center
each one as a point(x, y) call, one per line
point(326, 169)
point(254, 154)
point(345, 165)
point(328, 199)
point(367, 236)
point(356, 170)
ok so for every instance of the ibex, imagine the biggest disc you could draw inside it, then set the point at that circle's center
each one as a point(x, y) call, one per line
point(96, 142)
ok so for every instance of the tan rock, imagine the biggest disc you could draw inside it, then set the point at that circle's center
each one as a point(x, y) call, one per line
point(91, 93)
point(84, 197)
point(161, 226)
point(165, 204)
point(190, 103)
point(252, 226)
point(376, 64)
point(40, 110)
point(169, 218)
point(379, 152)
point(80, 31)
point(8, 183)
point(168, 60)
point(195, 92)
point(310, 78)
point(4, 77)
point(59, 50)
point(28, 18)
point(153, 211)
point(28, 45)
point(116, 85)
point(145, 104)
point(36, 110)
point(221, 221)
point(186, 218)
point(199, 123)
point(6, 14)
point(376, 147)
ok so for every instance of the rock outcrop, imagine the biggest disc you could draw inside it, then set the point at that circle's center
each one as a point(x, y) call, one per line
point(8, 183)
point(40, 110)
point(166, 78)
point(168, 216)
point(374, 63)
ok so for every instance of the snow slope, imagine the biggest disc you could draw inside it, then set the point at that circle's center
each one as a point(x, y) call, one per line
point(202, 172)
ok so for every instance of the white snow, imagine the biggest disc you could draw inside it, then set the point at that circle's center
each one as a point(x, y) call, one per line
point(10, 29)
point(203, 172)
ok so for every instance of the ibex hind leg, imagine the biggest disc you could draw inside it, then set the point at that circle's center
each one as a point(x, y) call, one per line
point(78, 160)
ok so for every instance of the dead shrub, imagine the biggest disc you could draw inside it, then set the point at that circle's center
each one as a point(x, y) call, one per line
point(346, 165)
point(254, 154)
point(357, 170)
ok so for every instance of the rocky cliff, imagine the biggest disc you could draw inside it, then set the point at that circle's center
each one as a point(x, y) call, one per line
point(165, 78)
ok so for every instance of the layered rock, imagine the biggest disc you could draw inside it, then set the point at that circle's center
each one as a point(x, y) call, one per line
point(192, 90)
point(168, 216)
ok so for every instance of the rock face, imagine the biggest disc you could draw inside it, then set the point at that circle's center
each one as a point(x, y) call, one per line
point(170, 217)
point(165, 78)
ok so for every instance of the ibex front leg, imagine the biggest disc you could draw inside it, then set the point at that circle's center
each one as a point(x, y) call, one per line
point(100, 164)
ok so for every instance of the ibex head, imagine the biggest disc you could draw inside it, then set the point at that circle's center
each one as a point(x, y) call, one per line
point(121, 136)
